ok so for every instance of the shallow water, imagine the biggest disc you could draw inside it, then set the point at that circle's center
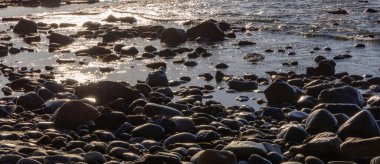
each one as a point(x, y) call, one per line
point(300, 24)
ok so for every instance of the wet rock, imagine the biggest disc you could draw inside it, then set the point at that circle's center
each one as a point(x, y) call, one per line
point(156, 65)
point(321, 121)
point(306, 102)
point(30, 101)
point(323, 145)
point(73, 114)
point(324, 68)
point(257, 159)
point(57, 159)
point(354, 148)
point(190, 63)
point(12, 50)
point(183, 137)
point(313, 160)
point(110, 37)
point(129, 51)
point(3, 50)
point(254, 57)
point(95, 51)
point(345, 94)
point(360, 45)
point(362, 125)
point(370, 10)
point(207, 30)
point(50, 3)
point(111, 120)
point(214, 156)
point(183, 124)
point(157, 78)
point(152, 109)
point(31, 39)
point(275, 113)
point(173, 37)
point(107, 91)
point(348, 109)
point(280, 91)
point(149, 131)
point(239, 85)
point(293, 133)
point(28, 161)
point(94, 157)
point(110, 58)
point(338, 11)
point(221, 66)
point(25, 26)
point(244, 149)
point(10, 158)
point(60, 39)
point(167, 53)
point(151, 159)
point(150, 48)
point(296, 116)
point(207, 135)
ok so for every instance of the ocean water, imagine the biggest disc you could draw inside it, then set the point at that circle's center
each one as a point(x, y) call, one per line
point(302, 24)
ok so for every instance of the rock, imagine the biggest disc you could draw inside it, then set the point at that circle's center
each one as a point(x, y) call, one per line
point(110, 37)
point(323, 145)
point(110, 120)
point(129, 51)
point(370, 10)
point(375, 160)
point(10, 158)
point(157, 78)
point(94, 157)
point(95, 51)
point(221, 66)
point(354, 148)
point(56, 159)
point(280, 91)
point(324, 68)
point(110, 58)
point(25, 26)
point(183, 124)
point(338, 11)
point(158, 159)
point(242, 85)
point(345, 94)
point(206, 30)
point(296, 116)
point(274, 113)
point(3, 50)
point(149, 131)
point(60, 39)
point(108, 91)
point(30, 101)
point(321, 121)
point(183, 137)
point(348, 109)
point(307, 102)
point(152, 109)
point(244, 149)
point(313, 160)
point(362, 125)
point(214, 156)
point(254, 57)
point(50, 3)
point(173, 37)
point(256, 159)
point(73, 114)
point(207, 136)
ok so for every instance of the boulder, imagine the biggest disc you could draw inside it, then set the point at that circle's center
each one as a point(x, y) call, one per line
point(173, 37)
point(348, 109)
point(324, 68)
point(94, 157)
point(321, 121)
point(157, 79)
point(152, 109)
point(73, 114)
point(214, 156)
point(183, 137)
point(108, 91)
point(345, 94)
point(30, 101)
point(60, 39)
point(207, 30)
point(25, 26)
point(362, 125)
point(280, 91)
point(110, 120)
point(149, 130)
point(244, 149)
point(354, 148)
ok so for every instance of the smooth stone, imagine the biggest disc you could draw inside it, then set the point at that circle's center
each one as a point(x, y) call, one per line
point(242, 85)
point(324, 68)
point(257, 159)
point(321, 121)
point(73, 114)
point(214, 156)
point(30, 101)
point(280, 91)
point(348, 109)
point(152, 109)
point(149, 130)
point(345, 94)
point(10, 158)
point(25, 26)
point(173, 36)
point(108, 91)
point(110, 120)
point(183, 137)
point(275, 113)
point(362, 125)
point(28, 161)
point(296, 116)
point(354, 148)
point(94, 157)
point(60, 39)
point(207, 30)
point(313, 160)
point(244, 149)
point(150, 158)
point(157, 79)
point(183, 124)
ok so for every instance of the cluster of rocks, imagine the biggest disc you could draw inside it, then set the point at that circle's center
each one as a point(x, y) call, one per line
point(314, 118)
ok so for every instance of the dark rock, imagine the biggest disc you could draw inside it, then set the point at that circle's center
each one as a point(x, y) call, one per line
point(244, 149)
point(275, 113)
point(207, 30)
point(158, 159)
point(221, 66)
point(157, 78)
point(110, 37)
point(257, 159)
point(73, 114)
point(338, 11)
point(173, 36)
point(321, 121)
point(280, 91)
point(129, 51)
point(324, 68)
point(94, 157)
point(296, 116)
point(306, 102)
point(149, 131)
point(25, 26)
point(348, 109)
point(60, 39)
point(214, 156)
point(110, 120)
point(152, 109)
point(370, 10)
point(207, 136)
point(313, 160)
point(362, 125)
point(323, 145)
point(183, 137)
point(183, 124)
point(95, 51)
point(242, 85)
point(30, 101)
point(107, 91)
point(354, 148)
point(294, 133)
point(110, 58)
point(345, 94)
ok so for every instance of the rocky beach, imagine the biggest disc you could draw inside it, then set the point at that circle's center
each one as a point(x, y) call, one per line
point(192, 82)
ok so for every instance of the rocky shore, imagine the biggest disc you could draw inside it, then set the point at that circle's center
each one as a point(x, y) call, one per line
point(316, 117)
